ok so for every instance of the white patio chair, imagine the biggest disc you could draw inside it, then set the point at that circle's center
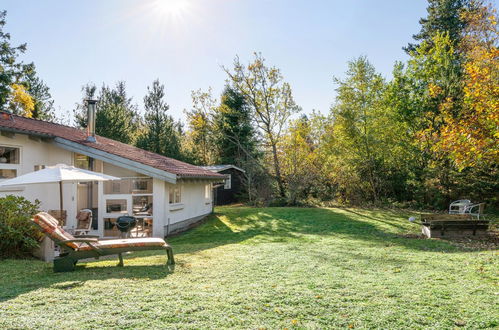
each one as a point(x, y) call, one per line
point(475, 210)
point(459, 206)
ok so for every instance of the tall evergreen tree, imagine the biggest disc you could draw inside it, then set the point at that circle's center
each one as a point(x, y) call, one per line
point(444, 16)
point(116, 116)
point(40, 93)
point(160, 133)
point(235, 136)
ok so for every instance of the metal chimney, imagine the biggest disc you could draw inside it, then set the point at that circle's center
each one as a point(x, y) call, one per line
point(91, 104)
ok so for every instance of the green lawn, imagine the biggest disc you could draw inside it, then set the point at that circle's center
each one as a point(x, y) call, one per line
point(269, 268)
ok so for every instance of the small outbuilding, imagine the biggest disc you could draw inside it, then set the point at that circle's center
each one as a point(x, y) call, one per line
point(230, 191)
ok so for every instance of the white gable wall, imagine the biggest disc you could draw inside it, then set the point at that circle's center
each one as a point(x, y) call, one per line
point(40, 153)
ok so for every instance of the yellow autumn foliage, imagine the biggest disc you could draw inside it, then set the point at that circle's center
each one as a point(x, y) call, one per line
point(473, 136)
point(21, 100)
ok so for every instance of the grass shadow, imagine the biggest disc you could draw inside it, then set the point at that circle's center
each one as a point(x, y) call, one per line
point(34, 274)
point(236, 225)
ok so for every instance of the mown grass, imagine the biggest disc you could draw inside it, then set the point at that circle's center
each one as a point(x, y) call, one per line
point(269, 268)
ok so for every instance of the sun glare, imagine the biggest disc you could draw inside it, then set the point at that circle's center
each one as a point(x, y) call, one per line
point(171, 8)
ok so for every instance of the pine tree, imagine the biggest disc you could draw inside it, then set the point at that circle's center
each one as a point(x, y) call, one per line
point(43, 102)
point(235, 136)
point(444, 16)
point(116, 116)
point(160, 132)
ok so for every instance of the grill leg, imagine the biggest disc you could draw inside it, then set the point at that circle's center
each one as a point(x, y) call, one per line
point(120, 264)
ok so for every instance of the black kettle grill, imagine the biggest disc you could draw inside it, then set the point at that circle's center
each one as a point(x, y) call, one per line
point(125, 224)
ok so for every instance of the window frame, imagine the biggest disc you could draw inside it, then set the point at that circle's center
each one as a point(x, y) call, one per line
point(228, 182)
point(172, 192)
point(207, 191)
point(12, 166)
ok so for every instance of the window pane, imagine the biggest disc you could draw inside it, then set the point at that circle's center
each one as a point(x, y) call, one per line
point(207, 191)
point(142, 186)
point(82, 161)
point(118, 187)
point(171, 196)
point(9, 155)
point(142, 205)
point(8, 174)
point(178, 198)
point(228, 182)
point(116, 206)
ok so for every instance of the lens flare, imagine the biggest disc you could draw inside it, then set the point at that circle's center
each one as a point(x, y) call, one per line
point(173, 9)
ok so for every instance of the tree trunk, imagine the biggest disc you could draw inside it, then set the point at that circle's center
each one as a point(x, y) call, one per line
point(277, 169)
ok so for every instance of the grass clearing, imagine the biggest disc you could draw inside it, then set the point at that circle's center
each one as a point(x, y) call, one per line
point(268, 268)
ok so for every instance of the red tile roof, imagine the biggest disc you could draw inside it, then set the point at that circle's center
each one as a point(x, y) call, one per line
point(34, 126)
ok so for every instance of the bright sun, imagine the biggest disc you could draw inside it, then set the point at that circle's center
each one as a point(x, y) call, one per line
point(172, 8)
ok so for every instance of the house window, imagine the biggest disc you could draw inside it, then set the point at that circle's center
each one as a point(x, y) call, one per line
point(39, 167)
point(207, 191)
point(127, 186)
point(228, 182)
point(142, 205)
point(142, 186)
point(175, 195)
point(82, 161)
point(9, 155)
point(9, 161)
point(116, 206)
point(7, 173)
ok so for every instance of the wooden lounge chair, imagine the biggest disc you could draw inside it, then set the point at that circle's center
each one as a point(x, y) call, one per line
point(76, 248)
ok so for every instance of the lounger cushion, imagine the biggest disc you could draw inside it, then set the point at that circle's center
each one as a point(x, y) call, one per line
point(50, 226)
point(126, 243)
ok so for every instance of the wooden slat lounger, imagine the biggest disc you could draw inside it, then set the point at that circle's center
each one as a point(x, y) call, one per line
point(76, 248)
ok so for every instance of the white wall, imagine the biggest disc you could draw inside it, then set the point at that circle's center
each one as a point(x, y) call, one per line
point(40, 153)
point(193, 203)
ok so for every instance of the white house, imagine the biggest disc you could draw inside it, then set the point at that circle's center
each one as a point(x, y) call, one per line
point(164, 194)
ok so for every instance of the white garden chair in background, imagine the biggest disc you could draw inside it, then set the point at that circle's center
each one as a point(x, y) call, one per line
point(459, 206)
point(465, 206)
point(476, 210)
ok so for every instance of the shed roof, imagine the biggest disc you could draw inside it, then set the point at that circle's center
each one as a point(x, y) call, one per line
point(220, 168)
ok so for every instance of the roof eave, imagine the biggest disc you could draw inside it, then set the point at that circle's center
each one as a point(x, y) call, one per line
point(116, 160)
point(202, 177)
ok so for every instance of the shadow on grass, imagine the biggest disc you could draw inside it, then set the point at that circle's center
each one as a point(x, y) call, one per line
point(21, 276)
point(235, 225)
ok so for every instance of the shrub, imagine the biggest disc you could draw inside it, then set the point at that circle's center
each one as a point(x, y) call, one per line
point(18, 234)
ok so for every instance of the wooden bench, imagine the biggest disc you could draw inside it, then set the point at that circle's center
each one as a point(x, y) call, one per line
point(452, 225)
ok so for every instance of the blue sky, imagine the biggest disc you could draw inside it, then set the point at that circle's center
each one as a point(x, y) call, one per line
point(184, 42)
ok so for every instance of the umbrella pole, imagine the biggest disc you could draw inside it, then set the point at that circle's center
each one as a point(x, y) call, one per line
point(60, 203)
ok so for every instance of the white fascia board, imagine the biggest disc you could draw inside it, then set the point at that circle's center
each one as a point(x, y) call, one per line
point(115, 160)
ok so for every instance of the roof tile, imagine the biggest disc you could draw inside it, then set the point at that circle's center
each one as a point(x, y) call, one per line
point(113, 147)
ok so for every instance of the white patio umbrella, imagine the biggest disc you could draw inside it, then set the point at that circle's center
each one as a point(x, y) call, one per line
point(59, 173)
